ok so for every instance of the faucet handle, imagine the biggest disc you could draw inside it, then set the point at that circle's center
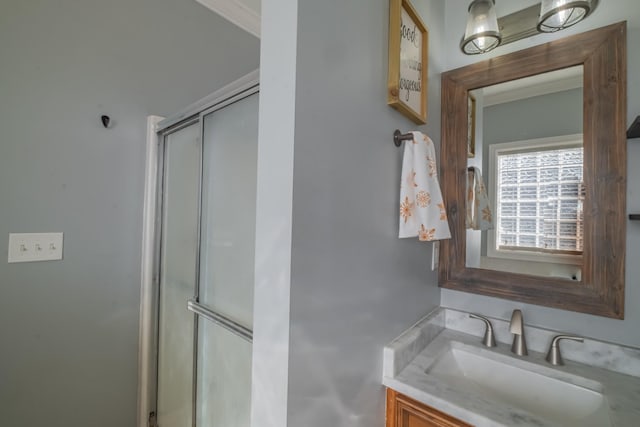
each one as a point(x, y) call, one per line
point(488, 339)
point(553, 356)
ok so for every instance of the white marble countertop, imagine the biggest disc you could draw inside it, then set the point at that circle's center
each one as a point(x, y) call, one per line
point(407, 359)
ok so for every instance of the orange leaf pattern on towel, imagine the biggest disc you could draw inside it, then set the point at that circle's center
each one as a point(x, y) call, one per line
point(443, 212)
point(486, 214)
point(425, 235)
point(406, 209)
point(411, 179)
point(431, 164)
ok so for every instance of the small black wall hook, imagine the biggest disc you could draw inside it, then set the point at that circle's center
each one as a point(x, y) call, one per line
point(105, 121)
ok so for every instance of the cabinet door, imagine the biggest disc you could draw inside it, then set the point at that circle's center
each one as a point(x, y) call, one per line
point(405, 412)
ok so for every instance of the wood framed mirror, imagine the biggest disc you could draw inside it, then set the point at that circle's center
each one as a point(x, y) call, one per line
point(600, 288)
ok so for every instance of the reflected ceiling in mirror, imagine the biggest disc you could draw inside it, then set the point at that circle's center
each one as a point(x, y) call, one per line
point(525, 188)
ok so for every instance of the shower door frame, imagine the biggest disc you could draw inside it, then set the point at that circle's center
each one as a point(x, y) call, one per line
point(157, 129)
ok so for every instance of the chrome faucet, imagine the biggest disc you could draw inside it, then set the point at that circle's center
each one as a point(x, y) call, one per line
point(553, 356)
point(488, 339)
point(516, 327)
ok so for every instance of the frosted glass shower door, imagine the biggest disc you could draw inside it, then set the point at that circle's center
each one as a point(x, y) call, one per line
point(177, 284)
point(230, 149)
point(205, 266)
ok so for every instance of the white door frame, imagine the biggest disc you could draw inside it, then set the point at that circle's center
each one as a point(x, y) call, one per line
point(147, 328)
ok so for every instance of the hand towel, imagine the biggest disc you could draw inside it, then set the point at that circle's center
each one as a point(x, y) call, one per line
point(422, 210)
point(479, 216)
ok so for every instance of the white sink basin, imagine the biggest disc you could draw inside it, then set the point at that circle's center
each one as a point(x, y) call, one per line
point(567, 402)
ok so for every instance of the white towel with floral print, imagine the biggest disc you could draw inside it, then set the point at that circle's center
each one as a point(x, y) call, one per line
point(422, 211)
point(479, 215)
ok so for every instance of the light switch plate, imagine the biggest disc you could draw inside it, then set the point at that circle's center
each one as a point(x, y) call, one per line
point(31, 247)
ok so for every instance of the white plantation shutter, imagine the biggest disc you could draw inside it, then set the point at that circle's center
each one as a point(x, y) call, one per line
point(540, 200)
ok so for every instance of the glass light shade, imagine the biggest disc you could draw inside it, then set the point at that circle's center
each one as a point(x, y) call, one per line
point(482, 33)
point(556, 15)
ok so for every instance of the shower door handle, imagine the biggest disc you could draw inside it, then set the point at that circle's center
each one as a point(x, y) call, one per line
point(223, 321)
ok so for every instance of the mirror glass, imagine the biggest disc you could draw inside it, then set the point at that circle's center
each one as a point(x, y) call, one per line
point(525, 188)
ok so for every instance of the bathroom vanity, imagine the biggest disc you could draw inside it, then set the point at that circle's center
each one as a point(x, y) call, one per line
point(439, 373)
point(402, 411)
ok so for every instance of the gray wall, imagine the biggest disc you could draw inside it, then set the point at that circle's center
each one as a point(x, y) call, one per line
point(553, 114)
point(69, 329)
point(354, 285)
point(620, 331)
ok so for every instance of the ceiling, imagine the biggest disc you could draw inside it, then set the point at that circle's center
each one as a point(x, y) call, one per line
point(243, 13)
point(540, 84)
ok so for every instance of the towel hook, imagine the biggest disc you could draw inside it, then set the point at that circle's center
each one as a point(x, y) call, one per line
point(398, 137)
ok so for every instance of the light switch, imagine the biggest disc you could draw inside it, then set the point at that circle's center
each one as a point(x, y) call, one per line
point(31, 247)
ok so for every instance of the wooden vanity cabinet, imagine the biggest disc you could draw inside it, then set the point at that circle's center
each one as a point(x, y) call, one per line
point(403, 411)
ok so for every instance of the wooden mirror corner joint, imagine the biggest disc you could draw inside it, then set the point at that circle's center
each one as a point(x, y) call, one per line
point(602, 53)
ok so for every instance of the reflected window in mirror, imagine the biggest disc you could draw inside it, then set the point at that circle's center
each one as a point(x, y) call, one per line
point(538, 200)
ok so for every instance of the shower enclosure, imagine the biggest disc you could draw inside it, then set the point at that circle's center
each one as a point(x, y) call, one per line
point(202, 287)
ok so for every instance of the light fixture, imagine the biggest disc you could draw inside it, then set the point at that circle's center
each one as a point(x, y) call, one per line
point(482, 33)
point(556, 15)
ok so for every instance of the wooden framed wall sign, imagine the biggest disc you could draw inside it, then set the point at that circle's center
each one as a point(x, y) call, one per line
point(408, 53)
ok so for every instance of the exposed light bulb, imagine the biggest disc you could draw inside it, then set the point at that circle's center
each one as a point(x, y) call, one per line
point(556, 15)
point(482, 33)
